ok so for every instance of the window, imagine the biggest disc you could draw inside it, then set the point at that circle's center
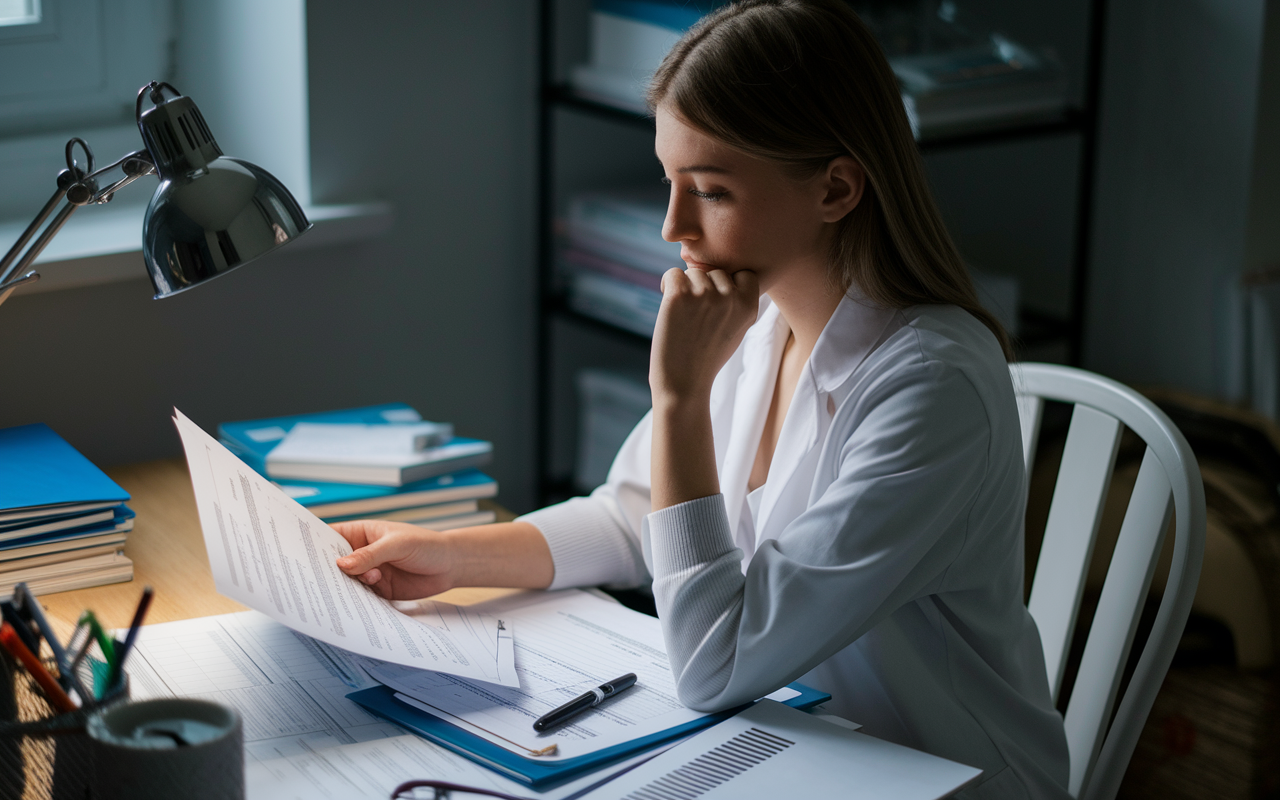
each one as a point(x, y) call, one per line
point(71, 68)
point(19, 12)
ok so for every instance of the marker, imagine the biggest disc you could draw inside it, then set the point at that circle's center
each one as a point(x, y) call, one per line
point(582, 702)
point(104, 641)
point(10, 614)
point(13, 643)
point(29, 605)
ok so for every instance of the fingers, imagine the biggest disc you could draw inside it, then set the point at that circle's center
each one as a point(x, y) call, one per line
point(372, 555)
point(673, 280)
point(721, 281)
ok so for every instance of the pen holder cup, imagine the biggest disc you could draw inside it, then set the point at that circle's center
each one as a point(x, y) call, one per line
point(173, 747)
point(43, 754)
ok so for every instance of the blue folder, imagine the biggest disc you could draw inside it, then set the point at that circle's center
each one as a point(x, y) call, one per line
point(540, 775)
point(38, 468)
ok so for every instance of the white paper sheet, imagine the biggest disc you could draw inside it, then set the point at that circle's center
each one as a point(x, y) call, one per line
point(370, 770)
point(273, 555)
point(357, 442)
point(303, 738)
point(568, 642)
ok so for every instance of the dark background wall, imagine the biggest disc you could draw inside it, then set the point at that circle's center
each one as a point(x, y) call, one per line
point(430, 106)
point(425, 105)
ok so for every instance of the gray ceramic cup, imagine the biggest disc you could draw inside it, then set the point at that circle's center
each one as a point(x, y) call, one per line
point(163, 749)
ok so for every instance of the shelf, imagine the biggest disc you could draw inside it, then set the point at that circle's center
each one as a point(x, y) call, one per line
point(556, 306)
point(566, 96)
point(1071, 121)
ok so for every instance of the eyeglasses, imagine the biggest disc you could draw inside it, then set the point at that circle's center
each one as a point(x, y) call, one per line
point(441, 790)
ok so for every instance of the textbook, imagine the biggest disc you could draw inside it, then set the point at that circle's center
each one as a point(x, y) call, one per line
point(62, 520)
point(71, 545)
point(63, 576)
point(253, 440)
point(334, 501)
point(459, 453)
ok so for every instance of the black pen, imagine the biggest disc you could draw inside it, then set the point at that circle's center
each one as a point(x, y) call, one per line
point(117, 669)
point(582, 702)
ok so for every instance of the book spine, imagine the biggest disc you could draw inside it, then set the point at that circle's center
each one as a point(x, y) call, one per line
point(576, 260)
point(622, 225)
point(616, 302)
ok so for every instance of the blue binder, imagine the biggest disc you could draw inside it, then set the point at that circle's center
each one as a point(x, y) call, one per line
point(38, 468)
point(380, 700)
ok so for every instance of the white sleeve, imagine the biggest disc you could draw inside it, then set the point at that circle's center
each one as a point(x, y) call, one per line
point(595, 540)
point(883, 534)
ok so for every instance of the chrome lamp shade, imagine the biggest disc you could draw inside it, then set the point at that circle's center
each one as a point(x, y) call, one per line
point(211, 213)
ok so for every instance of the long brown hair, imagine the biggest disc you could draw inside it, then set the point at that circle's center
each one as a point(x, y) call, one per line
point(800, 82)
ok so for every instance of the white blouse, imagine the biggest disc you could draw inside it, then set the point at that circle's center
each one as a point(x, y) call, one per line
point(881, 561)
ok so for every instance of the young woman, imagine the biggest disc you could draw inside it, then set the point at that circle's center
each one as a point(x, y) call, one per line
point(830, 485)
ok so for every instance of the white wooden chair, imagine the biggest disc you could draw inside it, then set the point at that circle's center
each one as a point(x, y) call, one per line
point(1168, 483)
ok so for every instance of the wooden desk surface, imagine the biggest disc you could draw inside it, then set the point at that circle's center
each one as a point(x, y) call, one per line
point(167, 548)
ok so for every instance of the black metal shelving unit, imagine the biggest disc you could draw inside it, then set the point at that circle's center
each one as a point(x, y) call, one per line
point(1037, 329)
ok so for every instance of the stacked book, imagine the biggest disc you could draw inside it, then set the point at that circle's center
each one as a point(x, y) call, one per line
point(614, 256)
point(628, 40)
point(377, 462)
point(955, 76)
point(62, 521)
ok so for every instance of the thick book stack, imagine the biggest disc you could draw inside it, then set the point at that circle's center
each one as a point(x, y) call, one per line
point(628, 40)
point(954, 77)
point(437, 487)
point(957, 76)
point(615, 256)
point(62, 521)
point(991, 84)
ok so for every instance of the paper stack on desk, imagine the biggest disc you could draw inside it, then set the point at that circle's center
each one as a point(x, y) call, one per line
point(439, 501)
point(62, 521)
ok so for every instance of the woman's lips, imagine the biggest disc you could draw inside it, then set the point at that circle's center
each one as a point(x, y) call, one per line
point(693, 262)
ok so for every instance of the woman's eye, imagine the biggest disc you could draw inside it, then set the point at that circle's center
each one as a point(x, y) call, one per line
point(707, 195)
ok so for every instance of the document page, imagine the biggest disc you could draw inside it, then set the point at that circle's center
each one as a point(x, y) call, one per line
point(303, 738)
point(273, 555)
point(569, 642)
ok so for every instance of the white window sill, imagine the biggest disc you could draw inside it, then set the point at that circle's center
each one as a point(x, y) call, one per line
point(104, 244)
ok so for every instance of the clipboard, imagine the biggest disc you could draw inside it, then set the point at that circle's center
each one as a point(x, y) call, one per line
point(381, 701)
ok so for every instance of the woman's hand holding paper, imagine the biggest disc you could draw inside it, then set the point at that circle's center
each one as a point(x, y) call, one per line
point(405, 562)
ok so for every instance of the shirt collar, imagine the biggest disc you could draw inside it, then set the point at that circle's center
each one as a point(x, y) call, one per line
point(855, 329)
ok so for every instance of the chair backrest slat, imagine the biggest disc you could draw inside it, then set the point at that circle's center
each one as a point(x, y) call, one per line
point(1030, 410)
point(1168, 488)
point(1081, 491)
point(1119, 608)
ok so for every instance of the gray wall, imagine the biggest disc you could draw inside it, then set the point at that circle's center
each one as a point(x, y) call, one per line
point(426, 105)
point(1174, 175)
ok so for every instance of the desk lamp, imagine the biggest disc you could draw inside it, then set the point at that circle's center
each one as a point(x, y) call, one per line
point(210, 214)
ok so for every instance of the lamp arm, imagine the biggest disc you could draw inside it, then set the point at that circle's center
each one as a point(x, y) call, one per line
point(6, 263)
point(79, 188)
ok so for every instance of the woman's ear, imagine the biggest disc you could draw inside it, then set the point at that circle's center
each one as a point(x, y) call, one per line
point(844, 181)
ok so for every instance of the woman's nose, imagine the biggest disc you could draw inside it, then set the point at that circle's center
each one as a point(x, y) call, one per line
point(680, 224)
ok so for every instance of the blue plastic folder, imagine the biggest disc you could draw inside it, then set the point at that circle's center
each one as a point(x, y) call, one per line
point(540, 775)
point(38, 468)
